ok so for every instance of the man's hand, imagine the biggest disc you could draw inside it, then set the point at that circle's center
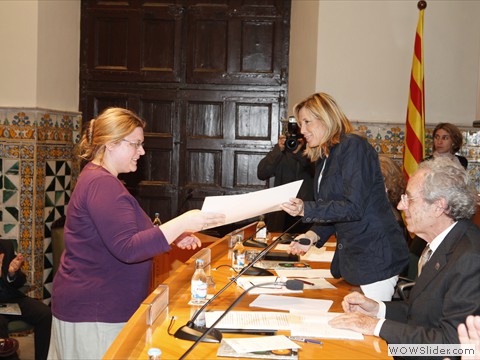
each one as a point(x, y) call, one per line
point(356, 322)
point(356, 302)
point(15, 264)
point(469, 333)
point(281, 142)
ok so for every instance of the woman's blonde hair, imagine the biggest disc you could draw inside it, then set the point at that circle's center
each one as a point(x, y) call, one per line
point(324, 108)
point(112, 125)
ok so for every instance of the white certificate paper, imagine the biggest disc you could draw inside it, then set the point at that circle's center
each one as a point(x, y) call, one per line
point(245, 206)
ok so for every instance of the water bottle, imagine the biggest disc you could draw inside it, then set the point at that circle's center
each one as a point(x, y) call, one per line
point(199, 284)
point(238, 258)
point(156, 221)
point(261, 231)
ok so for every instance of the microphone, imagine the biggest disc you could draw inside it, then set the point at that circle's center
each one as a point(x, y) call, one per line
point(304, 241)
point(252, 242)
point(289, 284)
point(190, 331)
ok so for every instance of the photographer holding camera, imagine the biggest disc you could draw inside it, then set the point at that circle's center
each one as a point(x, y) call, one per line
point(287, 163)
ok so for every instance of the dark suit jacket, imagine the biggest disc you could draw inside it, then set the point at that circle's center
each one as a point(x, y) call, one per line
point(286, 167)
point(352, 203)
point(9, 290)
point(445, 293)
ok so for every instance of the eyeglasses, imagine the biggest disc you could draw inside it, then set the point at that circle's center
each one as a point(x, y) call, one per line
point(136, 144)
point(405, 200)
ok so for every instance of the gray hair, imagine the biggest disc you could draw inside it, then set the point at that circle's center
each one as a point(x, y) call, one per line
point(447, 179)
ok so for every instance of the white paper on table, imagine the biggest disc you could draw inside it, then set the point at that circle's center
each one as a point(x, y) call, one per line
point(318, 255)
point(282, 247)
point(261, 343)
point(249, 320)
point(287, 303)
point(315, 324)
point(305, 274)
point(330, 244)
point(246, 282)
point(245, 206)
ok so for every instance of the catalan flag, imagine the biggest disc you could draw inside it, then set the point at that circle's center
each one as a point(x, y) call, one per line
point(414, 148)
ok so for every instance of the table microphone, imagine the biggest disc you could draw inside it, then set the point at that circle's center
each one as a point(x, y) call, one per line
point(257, 271)
point(190, 331)
point(252, 242)
point(295, 285)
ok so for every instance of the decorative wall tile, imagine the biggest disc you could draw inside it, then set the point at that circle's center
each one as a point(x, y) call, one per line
point(10, 185)
point(389, 139)
point(32, 142)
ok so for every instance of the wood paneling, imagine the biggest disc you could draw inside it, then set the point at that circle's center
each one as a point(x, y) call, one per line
point(209, 78)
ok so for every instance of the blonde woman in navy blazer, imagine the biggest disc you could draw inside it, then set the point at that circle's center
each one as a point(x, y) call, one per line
point(350, 201)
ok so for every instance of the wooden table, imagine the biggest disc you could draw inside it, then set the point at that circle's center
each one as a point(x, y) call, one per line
point(136, 338)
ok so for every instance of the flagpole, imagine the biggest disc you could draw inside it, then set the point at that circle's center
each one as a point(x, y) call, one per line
point(414, 145)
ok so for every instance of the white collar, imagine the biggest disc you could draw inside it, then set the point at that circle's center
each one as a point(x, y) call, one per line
point(440, 237)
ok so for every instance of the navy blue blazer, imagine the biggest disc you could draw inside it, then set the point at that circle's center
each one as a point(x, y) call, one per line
point(352, 203)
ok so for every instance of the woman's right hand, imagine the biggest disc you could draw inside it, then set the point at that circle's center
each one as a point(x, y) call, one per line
point(295, 248)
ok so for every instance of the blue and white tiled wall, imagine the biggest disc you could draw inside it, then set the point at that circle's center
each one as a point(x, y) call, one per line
point(36, 174)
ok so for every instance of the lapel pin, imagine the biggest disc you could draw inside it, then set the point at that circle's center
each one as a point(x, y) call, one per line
point(437, 266)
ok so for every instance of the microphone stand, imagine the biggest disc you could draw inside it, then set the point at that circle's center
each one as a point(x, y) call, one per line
point(290, 284)
point(190, 332)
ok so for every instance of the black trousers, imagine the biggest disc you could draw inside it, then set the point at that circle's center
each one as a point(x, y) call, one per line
point(37, 314)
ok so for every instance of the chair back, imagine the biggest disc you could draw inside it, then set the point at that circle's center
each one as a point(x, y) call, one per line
point(58, 244)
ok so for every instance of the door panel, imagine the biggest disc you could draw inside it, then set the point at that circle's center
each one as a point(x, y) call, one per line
point(233, 42)
point(210, 80)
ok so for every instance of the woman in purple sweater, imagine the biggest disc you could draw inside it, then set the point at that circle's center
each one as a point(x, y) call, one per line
point(110, 241)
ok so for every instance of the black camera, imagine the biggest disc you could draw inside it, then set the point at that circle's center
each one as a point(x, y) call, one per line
point(293, 134)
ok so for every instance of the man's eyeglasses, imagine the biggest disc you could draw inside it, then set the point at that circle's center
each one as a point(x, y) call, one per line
point(405, 200)
point(136, 144)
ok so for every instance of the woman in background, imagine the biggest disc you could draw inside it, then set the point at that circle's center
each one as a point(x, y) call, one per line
point(104, 273)
point(350, 201)
point(447, 141)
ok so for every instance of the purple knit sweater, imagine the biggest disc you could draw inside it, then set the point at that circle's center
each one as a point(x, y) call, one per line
point(109, 244)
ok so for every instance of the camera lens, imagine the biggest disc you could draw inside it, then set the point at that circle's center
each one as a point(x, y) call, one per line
point(291, 143)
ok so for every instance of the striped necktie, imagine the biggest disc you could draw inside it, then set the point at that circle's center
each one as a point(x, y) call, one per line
point(427, 252)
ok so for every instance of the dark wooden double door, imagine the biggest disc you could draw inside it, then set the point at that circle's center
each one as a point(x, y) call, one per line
point(209, 78)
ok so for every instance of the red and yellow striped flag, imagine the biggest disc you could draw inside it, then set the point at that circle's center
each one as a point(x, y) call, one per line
point(414, 149)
